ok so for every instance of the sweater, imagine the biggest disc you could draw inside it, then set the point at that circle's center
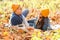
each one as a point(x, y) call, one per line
point(18, 19)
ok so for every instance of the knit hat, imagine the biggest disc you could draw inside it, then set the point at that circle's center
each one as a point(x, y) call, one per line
point(15, 7)
point(45, 12)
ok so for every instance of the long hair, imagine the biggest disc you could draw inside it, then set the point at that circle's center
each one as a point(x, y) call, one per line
point(40, 23)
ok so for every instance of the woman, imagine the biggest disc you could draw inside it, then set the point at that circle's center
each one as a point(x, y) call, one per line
point(43, 21)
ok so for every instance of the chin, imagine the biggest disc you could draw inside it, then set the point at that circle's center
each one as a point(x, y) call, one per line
point(19, 14)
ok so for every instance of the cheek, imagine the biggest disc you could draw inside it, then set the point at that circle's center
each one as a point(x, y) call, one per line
point(19, 11)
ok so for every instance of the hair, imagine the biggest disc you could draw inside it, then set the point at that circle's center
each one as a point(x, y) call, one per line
point(40, 23)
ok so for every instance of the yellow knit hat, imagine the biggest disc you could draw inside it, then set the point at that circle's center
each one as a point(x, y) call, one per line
point(15, 7)
point(45, 12)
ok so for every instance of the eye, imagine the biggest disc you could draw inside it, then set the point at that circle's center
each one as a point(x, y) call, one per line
point(40, 17)
point(20, 8)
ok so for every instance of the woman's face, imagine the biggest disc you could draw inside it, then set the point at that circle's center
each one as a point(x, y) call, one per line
point(40, 17)
point(19, 11)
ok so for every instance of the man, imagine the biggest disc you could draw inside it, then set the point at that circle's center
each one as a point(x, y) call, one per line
point(17, 15)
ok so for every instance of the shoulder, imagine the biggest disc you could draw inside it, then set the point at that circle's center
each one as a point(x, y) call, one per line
point(14, 18)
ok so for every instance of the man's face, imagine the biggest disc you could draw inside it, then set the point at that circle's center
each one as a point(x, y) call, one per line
point(19, 11)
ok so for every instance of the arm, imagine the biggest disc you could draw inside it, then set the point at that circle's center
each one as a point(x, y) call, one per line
point(25, 12)
point(46, 24)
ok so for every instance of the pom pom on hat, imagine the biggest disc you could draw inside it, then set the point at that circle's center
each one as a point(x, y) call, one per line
point(45, 12)
point(15, 7)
